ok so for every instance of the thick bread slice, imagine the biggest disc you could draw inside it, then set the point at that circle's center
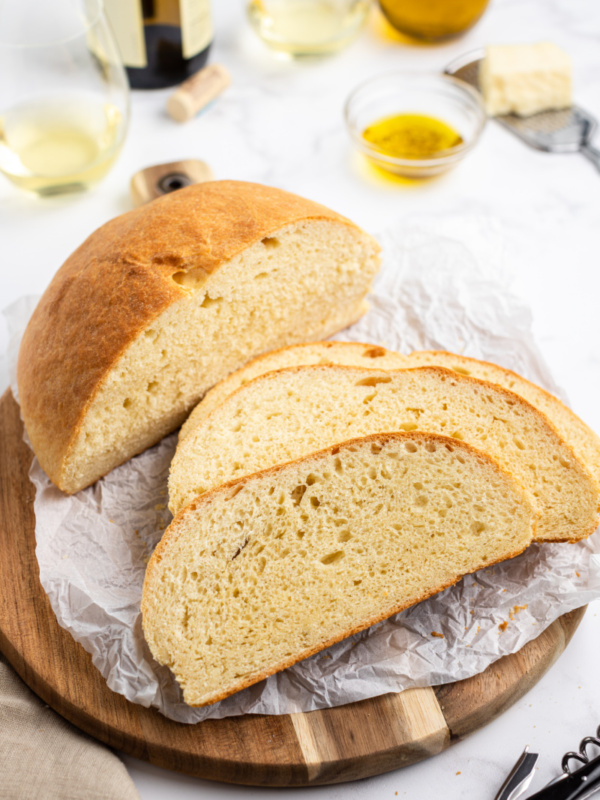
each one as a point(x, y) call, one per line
point(161, 303)
point(582, 439)
point(284, 415)
point(267, 570)
point(350, 354)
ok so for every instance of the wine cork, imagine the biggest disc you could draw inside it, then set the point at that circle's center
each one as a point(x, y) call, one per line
point(197, 92)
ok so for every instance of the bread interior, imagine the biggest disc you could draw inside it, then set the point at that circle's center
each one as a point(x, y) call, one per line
point(304, 282)
point(262, 573)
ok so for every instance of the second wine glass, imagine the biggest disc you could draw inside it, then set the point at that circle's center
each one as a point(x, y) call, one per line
point(64, 97)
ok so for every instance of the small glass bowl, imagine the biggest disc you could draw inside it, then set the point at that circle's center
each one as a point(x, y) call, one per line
point(435, 95)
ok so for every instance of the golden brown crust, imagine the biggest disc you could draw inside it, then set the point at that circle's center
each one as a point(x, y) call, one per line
point(119, 280)
point(171, 535)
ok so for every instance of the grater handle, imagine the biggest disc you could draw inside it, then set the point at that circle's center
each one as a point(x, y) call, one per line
point(591, 152)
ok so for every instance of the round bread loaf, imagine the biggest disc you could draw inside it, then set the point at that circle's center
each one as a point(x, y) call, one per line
point(163, 302)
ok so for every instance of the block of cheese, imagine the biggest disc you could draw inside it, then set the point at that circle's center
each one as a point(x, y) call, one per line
point(265, 571)
point(163, 302)
point(287, 414)
point(584, 442)
point(524, 79)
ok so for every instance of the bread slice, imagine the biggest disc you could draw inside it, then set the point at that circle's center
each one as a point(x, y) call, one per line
point(161, 303)
point(351, 354)
point(265, 571)
point(582, 439)
point(285, 415)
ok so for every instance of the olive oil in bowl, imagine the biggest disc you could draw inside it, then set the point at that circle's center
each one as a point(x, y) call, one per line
point(411, 136)
point(414, 124)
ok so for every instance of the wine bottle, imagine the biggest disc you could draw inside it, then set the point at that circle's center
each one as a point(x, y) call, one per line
point(162, 42)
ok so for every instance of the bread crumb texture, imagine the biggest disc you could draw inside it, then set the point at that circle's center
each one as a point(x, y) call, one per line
point(267, 570)
point(584, 442)
point(284, 415)
point(163, 302)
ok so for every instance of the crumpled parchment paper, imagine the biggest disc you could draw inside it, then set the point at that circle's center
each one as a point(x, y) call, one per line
point(442, 286)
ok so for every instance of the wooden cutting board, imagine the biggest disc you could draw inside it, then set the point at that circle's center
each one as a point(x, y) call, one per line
point(330, 746)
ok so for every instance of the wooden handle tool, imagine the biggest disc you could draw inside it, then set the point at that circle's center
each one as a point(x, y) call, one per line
point(153, 182)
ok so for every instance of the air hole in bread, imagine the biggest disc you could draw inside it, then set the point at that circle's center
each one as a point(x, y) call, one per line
point(410, 426)
point(461, 370)
point(234, 491)
point(152, 386)
point(127, 402)
point(211, 301)
point(190, 280)
point(374, 380)
point(315, 502)
point(344, 536)
point(478, 527)
point(297, 494)
point(374, 352)
point(410, 447)
point(332, 558)
point(271, 242)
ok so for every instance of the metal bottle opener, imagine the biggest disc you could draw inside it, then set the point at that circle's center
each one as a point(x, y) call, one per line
point(576, 784)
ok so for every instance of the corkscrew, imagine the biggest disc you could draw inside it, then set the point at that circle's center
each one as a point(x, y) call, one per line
point(577, 783)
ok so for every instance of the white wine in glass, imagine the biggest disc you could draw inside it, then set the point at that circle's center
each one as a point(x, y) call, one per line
point(64, 97)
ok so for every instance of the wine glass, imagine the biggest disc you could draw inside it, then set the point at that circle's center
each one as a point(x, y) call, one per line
point(307, 27)
point(64, 97)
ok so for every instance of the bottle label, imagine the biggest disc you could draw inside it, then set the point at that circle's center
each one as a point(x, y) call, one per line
point(196, 26)
point(127, 22)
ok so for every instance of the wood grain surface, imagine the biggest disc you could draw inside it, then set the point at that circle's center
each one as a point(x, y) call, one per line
point(329, 746)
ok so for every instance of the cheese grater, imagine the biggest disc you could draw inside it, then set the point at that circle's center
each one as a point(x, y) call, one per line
point(566, 131)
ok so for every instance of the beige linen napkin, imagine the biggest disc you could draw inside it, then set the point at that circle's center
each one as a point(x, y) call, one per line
point(44, 757)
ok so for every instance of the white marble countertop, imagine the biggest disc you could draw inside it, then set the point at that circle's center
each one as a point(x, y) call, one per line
point(281, 123)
